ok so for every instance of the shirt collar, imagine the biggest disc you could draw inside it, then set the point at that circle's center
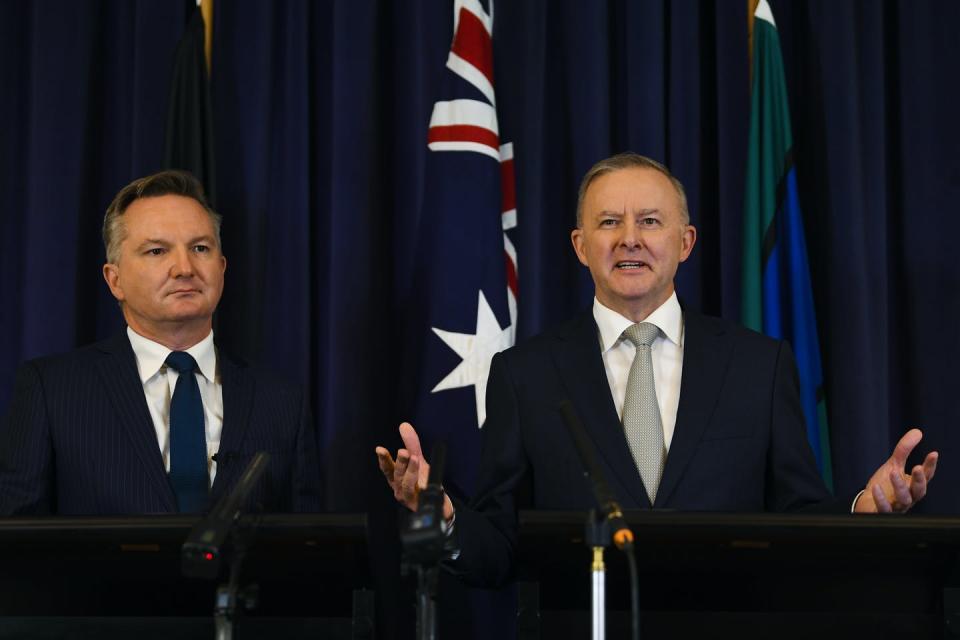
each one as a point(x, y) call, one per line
point(151, 356)
point(668, 317)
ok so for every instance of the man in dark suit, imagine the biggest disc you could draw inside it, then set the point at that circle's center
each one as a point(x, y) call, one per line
point(156, 419)
point(699, 415)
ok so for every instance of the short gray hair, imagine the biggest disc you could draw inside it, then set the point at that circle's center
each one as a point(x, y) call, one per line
point(629, 160)
point(171, 182)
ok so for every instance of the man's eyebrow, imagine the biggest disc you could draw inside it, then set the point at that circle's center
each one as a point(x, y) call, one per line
point(164, 243)
point(613, 212)
point(149, 241)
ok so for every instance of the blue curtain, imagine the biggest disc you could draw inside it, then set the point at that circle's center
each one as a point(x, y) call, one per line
point(875, 130)
point(321, 111)
point(82, 106)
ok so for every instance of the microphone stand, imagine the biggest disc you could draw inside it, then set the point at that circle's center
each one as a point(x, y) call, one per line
point(602, 527)
point(219, 536)
point(597, 536)
point(423, 539)
point(229, 594)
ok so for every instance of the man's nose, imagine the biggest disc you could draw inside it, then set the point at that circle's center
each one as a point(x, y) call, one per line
point(182, 263)
point(631, 235)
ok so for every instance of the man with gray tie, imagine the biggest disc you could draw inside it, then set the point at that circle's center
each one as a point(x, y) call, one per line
point(156, 419)
point(685, 411)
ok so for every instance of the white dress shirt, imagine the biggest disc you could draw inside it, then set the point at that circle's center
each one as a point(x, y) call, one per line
point(667, 353)
point(159, 382)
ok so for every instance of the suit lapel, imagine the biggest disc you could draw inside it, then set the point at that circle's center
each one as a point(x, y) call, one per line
point(120, 378)
point(578, 359)
point(706, 355)
point(238, 389)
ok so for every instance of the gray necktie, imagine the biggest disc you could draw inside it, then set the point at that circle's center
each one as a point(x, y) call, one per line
point(641, 413)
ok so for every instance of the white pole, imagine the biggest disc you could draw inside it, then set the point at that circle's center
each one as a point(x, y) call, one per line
point(599, 597)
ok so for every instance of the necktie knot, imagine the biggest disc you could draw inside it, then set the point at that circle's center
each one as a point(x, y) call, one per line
point(642, 333)
point(181, 362)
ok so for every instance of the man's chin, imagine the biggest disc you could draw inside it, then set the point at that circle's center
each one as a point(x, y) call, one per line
point(635, 294)
point(188, 314)
point(630, 298)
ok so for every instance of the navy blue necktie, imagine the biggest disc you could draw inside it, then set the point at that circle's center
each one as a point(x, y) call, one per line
point(188, 440)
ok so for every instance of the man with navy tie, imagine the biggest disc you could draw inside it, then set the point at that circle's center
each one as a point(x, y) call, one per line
point(156, 419)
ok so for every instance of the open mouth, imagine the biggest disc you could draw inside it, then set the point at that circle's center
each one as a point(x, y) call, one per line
point(631, 265)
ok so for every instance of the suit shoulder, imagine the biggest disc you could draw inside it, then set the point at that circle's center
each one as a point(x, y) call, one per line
point(740, 335)
point(266, 380)
point(539, 345)
point(70, 361)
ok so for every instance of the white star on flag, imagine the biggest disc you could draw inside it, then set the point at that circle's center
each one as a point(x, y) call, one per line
point(477, 351)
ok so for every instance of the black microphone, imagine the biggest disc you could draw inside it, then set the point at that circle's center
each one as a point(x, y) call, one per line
point(203, 550)
point(622, 535)
point(435, 478)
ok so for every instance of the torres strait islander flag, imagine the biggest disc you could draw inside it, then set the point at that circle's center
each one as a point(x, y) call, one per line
point(466, 287)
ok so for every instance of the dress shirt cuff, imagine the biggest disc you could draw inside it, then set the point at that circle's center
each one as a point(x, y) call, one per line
point(853, 507)
point(451, 547)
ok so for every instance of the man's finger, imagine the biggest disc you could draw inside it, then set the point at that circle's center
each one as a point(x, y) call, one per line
point(400, 468)
point(918, 484)
point(930, 465)
point(410, 439)
point(408, 486)
point(902, 451)
point(901, 492)
point(883, 505)
point(385, 461)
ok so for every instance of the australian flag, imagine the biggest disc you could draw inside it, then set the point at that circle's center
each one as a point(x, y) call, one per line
point(466, 276)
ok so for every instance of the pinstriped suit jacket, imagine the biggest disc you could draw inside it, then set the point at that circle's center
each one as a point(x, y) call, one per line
point(78, 438)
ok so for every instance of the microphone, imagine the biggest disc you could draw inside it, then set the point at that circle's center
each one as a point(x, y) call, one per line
point(622, 535)
point(434, 488)
point(203, 550)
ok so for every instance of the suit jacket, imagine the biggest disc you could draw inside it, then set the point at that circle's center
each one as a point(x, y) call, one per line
point(739, 443)
point(79, 439)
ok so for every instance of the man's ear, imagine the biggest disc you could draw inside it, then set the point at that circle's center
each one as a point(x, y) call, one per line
point(576, 237)
point(687, 240)
point(111, 274)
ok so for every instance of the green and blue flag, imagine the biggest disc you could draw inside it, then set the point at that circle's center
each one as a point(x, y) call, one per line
point(777, 293)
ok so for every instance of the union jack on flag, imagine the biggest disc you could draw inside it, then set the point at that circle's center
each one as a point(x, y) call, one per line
point(467, 284)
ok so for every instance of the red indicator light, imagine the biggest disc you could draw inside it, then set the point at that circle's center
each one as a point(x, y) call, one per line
point(208, 556)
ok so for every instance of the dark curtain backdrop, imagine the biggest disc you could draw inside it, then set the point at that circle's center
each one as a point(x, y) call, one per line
point(321, 110)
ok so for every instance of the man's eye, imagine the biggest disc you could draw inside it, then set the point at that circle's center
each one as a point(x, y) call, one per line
point(156, 251)
point(650, 222)
point(201, 248)
point(608, 222)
